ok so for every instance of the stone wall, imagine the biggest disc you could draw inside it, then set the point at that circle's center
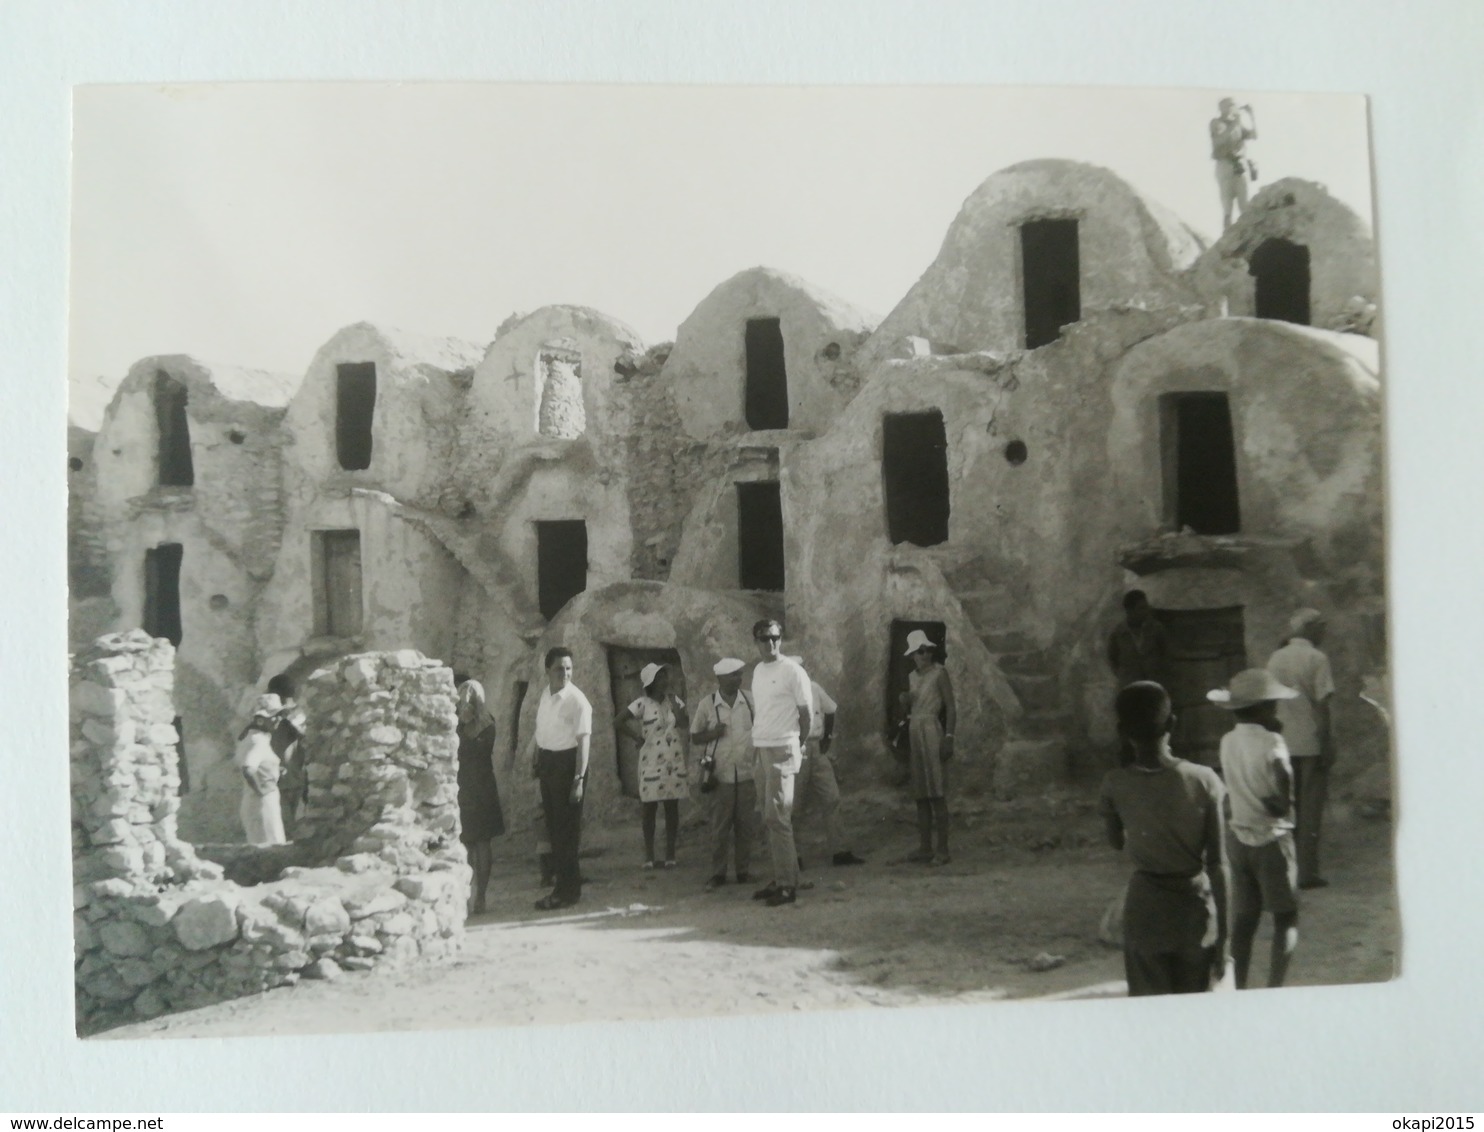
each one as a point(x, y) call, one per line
point(385, 881)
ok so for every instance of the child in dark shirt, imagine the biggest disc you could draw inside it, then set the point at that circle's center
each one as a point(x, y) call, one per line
point(1167, 813)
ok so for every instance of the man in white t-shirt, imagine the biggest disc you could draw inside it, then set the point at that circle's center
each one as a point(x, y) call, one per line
point(782, 703)
point(1306, 730)
point(817, 788)
point(558, 750)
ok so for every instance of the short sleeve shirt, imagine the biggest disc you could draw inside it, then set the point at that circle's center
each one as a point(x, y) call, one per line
point(1251, 756)
point(779, 689)
point(734, 749)
point(1164, 814)
point(562, 718)
point(1305, 669)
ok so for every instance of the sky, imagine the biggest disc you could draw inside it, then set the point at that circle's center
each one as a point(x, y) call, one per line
point(247, 223)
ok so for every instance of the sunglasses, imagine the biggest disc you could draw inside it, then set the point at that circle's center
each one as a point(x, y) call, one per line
point(767, 638)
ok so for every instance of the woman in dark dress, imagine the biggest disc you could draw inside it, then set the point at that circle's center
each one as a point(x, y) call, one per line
point(480, 816)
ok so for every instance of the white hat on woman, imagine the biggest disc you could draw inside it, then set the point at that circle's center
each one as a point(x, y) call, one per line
point(649, 672)
point(916, 640)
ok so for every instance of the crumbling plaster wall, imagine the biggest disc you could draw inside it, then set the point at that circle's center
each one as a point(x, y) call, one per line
point(410, 584)
point(707, 370)
point(1132, 253)
point(1306, 418)
point(90, 608)
point(1342, 252)
point(229, 524)
point(505, 397)
point(385, 881)
point(420, 396)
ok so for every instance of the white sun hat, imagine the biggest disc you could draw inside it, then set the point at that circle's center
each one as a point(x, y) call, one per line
point(727, 665)
point(649, 672)
point(1251, 686)
point(917, 639)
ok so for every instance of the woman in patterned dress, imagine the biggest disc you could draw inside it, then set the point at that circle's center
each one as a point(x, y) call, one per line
point(929, 700)
point(657, 720)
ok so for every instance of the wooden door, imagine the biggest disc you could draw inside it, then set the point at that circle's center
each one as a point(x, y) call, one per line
point(342, 551)
point(1207, 648)
point(624, 665)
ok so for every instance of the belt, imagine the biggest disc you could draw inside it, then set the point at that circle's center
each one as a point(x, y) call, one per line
point(549, 751)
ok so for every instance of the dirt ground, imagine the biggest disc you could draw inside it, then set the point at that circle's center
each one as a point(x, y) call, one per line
point(1027, 879)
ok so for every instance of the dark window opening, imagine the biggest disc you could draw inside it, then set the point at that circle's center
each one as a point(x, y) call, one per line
point(624, 666)
point(1207, 647)
point(1051, 275)
point(914, 466)
point(899, 665)
point(175, 465)
point(355, 406)
point(75, 463)
point(1280, 269)
point(1200, 463)
point(517, 701)
point(767, 378)
point(162, 591)
point(1016, 453)
point(337, 583)
point(760, 536)
point(561, 563)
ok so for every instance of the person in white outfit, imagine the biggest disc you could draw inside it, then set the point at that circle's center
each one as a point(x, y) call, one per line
point(259, 811)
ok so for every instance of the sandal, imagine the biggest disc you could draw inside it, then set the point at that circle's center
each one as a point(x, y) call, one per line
point(670, 864)
point(648, 866)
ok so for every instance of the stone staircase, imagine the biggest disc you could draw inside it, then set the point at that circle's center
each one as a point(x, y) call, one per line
point(1035, 755)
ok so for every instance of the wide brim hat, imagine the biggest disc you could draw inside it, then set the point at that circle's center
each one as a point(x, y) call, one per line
point(649, 672)
point(1249, 687)
point(727, 665)
point(917, 639)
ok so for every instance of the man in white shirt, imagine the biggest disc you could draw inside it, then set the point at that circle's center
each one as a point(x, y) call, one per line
point(723, 727)
point(558, 751)
point(782, 700)
point(1306, 729)
point(817, 787)
point(1260, 850)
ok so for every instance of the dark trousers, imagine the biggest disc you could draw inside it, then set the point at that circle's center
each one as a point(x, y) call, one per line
point(1168, 972)
point(1310, 793)
point(555, 771)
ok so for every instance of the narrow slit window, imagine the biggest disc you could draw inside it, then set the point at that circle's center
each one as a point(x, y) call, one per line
point(174, 456)
point(517, 701)
point(767, 377)
point(1280, 271)
point(561, 563)
point(1051, 276)
point(162, 591)
point(760, 536)
point(1199, 463)
point(337, 583)
point(355, 407)
point(914, 468)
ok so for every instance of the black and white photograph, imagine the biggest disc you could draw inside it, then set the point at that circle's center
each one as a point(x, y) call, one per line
point(570, 553)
